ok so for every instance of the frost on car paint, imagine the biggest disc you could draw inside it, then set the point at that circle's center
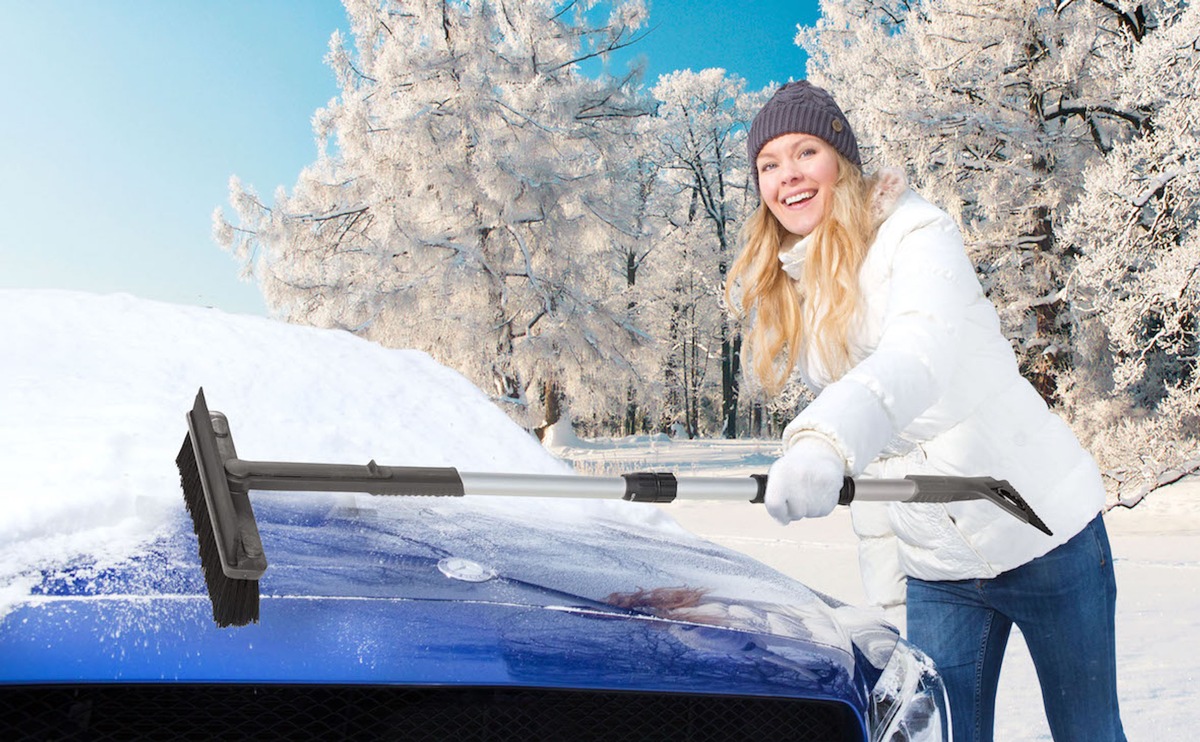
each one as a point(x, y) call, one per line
point(473, 593)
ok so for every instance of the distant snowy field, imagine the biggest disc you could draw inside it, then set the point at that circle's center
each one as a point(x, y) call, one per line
point(93, 391)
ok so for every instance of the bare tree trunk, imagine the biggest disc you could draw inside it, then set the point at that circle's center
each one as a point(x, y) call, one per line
point(552, 399)
point(629, 425)
point(672, 404)
point(731, 362)
point(695, 376)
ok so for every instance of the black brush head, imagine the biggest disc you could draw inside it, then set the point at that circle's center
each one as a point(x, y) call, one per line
point(234, 602)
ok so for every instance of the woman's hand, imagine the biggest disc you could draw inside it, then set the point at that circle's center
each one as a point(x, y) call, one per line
point(805, 481)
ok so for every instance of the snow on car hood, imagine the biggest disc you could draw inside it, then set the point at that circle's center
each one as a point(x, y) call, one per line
point(474, 590)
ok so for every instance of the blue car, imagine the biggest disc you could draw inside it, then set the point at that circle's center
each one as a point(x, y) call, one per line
point(465, 619)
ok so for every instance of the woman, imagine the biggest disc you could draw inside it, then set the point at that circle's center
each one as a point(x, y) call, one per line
point(863, 289)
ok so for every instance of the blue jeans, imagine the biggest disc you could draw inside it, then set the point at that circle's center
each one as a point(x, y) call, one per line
point(1064, 603)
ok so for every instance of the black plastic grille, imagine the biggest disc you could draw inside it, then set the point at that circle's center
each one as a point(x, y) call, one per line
point(202, 712)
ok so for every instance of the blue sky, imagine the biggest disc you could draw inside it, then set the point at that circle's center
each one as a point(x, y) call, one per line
point(123, 120)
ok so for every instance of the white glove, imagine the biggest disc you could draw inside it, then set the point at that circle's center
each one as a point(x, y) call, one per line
point(805, 481)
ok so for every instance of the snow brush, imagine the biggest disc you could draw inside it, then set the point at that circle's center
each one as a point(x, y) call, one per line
point(216, 488)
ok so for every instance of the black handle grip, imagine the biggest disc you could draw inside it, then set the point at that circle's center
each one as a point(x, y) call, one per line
point(845, 497)
point(646, 486)
point(371, 478)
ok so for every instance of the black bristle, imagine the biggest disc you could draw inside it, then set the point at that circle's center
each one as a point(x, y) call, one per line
point(234, 601)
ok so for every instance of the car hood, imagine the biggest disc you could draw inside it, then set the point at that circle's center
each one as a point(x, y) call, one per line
point(472, 591)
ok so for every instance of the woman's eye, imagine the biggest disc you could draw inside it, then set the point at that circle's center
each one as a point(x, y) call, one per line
point(765, 167)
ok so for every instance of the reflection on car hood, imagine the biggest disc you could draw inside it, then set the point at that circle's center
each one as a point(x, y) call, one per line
point(364, 589)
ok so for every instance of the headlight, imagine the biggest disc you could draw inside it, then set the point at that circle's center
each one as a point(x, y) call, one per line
point(908, 703)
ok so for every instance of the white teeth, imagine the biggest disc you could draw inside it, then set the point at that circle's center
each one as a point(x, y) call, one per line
point(797, 198)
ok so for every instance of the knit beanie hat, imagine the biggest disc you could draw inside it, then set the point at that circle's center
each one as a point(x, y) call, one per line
point(801, 108)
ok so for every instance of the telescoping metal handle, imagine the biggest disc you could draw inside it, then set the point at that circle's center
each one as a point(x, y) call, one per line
point(660, 487)
point(666, 487)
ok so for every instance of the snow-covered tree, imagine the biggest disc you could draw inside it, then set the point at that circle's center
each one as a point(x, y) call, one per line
point(635, 239)
point(993, 108)
point(1063, 136)
point(448, 209)
point(698, 137)
point(1136, 286)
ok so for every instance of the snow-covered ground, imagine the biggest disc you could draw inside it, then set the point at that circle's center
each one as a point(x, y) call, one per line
point(93, 391)
point(1156, 547)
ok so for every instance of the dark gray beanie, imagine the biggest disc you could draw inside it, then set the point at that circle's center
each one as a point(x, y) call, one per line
point(801, 108)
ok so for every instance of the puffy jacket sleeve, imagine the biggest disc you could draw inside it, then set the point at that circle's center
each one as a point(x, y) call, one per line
point(929, 285)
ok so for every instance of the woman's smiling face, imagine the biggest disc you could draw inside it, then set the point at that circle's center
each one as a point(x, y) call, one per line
point(796, 174)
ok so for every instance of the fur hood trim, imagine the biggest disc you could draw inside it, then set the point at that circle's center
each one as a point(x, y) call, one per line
point(888, 185)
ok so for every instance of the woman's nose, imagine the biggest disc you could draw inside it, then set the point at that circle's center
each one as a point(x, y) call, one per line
point(789, 172)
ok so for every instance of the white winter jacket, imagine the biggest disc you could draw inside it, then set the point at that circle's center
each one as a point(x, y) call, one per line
point(937, 391)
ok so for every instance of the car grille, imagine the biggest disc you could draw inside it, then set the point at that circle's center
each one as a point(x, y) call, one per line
point(159, 711)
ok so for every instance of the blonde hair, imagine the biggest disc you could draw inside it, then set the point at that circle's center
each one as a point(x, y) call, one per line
point(789, 319)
